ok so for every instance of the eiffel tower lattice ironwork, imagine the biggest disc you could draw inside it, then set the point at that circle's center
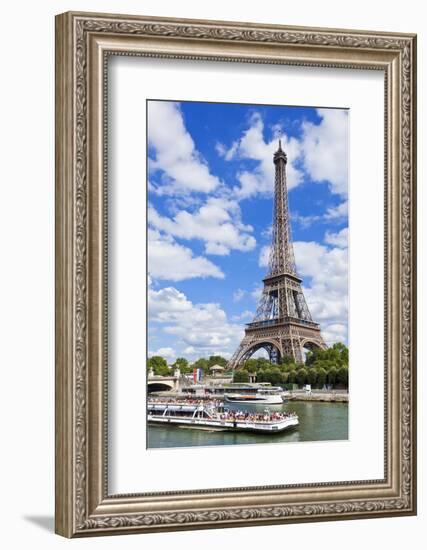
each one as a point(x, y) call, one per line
point(283, 325)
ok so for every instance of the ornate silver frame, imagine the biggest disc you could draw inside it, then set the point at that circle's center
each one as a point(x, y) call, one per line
point(83, 505)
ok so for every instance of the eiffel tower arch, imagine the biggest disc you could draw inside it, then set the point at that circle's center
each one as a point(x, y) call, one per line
point(282, 325)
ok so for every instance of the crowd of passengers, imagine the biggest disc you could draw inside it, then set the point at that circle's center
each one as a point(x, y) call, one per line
point(173, 401)
point(255, 417)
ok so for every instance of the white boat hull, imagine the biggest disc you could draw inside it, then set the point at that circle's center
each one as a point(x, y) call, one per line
point(230, 425)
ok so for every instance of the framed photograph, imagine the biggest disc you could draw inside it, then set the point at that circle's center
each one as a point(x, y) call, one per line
point(232, 375)
point(235, 274)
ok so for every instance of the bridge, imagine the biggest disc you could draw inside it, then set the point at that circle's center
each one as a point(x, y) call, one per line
point(162, 383)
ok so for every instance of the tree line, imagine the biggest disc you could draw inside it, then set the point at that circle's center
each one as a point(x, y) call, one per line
point(329, 366)
point(159, 365)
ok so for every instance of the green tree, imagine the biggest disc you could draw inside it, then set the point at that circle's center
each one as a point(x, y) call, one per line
point(241, 376)
point(336, 355)
point(201, 363)
point(276, 377)
point(311, 376)
point(310, 358)
point(251, 365)
point(159, 365)
point(287, 367)
point(342, 376)
point(287, 359)
point(182, 364)
point(260, 377)
point(292, 377)
point(321, 376)
point(263, 363)
point(257, 363)
point(332, 376)
point(272, 375)
point(217, 360)
point(342, 350)
point(301, 376)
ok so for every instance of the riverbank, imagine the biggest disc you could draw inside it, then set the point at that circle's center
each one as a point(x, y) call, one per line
point(326, 397)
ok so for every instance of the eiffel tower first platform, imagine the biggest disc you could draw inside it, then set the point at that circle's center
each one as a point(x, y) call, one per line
point(282, 325)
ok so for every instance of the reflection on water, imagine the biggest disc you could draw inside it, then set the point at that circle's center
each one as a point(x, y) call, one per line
point(318, 422)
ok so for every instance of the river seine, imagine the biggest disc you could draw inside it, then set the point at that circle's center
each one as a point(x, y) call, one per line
point(317, 422)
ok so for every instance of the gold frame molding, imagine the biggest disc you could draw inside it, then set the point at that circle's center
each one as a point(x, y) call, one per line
point(83, 43)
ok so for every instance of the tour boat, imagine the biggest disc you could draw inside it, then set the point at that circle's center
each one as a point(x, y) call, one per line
point(270, 396)
point(218, 391)
point(205, 416)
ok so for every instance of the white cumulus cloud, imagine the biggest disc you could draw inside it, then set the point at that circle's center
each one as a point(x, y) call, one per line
point(199, 328)
point(337, 212)
point(238, 294)
point(228, 154)
point(171, 261)
point(339, 239)
point(217, 223)
point(325, 149)
point(257, 292)
point(253, 146)
point(327, 291)
point(322, 152)
point(184, 169)
point(247, 314)
point(333, 214)
point(335, 332)
point(264, 256)
point(167, 304)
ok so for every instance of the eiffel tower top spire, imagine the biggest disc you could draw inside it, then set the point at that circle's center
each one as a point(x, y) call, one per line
point(280, 153)
point(282, 258)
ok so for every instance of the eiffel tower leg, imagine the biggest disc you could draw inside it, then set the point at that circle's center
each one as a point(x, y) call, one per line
point(274, 355)
point(292, 348)
point(235, 359)
point(299, 356)
point(239, 355)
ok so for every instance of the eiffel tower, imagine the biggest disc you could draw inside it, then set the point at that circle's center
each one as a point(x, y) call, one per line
point(282, 325)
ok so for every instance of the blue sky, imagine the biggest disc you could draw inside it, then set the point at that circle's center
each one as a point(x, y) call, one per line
point(210, 183)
